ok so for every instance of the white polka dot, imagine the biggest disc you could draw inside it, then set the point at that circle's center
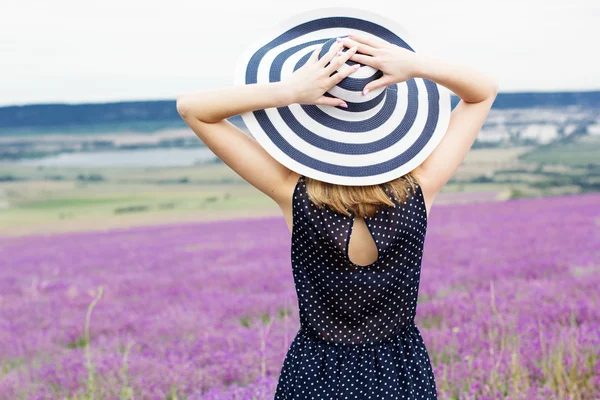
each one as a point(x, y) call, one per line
point(357, 337)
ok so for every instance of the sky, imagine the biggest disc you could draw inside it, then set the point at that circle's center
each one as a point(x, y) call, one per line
point(79, 51)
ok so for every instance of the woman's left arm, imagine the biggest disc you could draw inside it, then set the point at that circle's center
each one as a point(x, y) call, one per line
point(206, 112)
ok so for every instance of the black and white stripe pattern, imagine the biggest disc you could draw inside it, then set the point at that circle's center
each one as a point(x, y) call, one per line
point(379, 137)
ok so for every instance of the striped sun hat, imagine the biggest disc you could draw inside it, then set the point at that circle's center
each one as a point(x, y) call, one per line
point(379, 137)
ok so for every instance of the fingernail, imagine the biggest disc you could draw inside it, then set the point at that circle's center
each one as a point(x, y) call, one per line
point(340, 53)
point(357, 66)
point(339, 39)
point(365, 91)
point(344, 105)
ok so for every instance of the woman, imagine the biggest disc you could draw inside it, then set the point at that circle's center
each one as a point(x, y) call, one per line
point(357, 337)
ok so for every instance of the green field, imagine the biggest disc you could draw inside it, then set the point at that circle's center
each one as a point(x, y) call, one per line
point(579, 151)
point(36, 200)
point(50, 199)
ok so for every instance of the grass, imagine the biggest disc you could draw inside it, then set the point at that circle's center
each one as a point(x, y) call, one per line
point(43, 206)
point(577, 152)
point(55, 199)
point(72, 202)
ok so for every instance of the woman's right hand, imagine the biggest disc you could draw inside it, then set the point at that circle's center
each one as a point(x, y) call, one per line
point(397, 63)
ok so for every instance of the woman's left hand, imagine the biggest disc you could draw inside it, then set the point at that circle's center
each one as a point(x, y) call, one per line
point(309, 82)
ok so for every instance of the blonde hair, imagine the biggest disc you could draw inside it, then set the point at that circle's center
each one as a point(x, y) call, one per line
point(362, 201)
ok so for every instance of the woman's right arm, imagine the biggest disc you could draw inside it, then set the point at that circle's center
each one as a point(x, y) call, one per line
point(476, 90)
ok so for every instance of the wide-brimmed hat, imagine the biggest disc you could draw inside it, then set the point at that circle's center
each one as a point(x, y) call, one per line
point(380, 136)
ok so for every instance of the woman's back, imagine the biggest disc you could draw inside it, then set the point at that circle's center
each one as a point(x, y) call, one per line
point(357, 322)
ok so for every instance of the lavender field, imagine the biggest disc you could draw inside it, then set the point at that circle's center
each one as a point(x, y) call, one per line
point(509, 306)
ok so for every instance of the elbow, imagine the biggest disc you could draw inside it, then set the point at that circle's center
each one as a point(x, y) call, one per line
point(182, 106)
point(494, 86)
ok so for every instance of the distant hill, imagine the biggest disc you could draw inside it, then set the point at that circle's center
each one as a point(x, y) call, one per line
point(159, 114)
point(545, 99)
point(140, 116)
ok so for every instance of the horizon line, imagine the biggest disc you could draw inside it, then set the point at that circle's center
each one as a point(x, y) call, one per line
point(100, 102)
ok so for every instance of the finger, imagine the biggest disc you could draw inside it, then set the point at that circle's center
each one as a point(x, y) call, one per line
point(349, 70)
point(315, 54)
point(362, 48)
point(340, 60)
point(365, 60)
point(331, 101)
point(368, 39)
point(376, 84)
point(330, 54)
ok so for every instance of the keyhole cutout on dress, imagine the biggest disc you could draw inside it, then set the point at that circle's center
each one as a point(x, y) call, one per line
point(362, 249)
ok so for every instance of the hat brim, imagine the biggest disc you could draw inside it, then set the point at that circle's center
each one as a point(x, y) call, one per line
point(329, 143)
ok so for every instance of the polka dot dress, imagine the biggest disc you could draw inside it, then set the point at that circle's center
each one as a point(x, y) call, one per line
point(357, 337)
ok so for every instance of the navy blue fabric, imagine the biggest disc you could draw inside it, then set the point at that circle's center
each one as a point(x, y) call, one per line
point(344, 170)
point(345, 126)
point(357, 339)
point(355, 107)
point(366, 125)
